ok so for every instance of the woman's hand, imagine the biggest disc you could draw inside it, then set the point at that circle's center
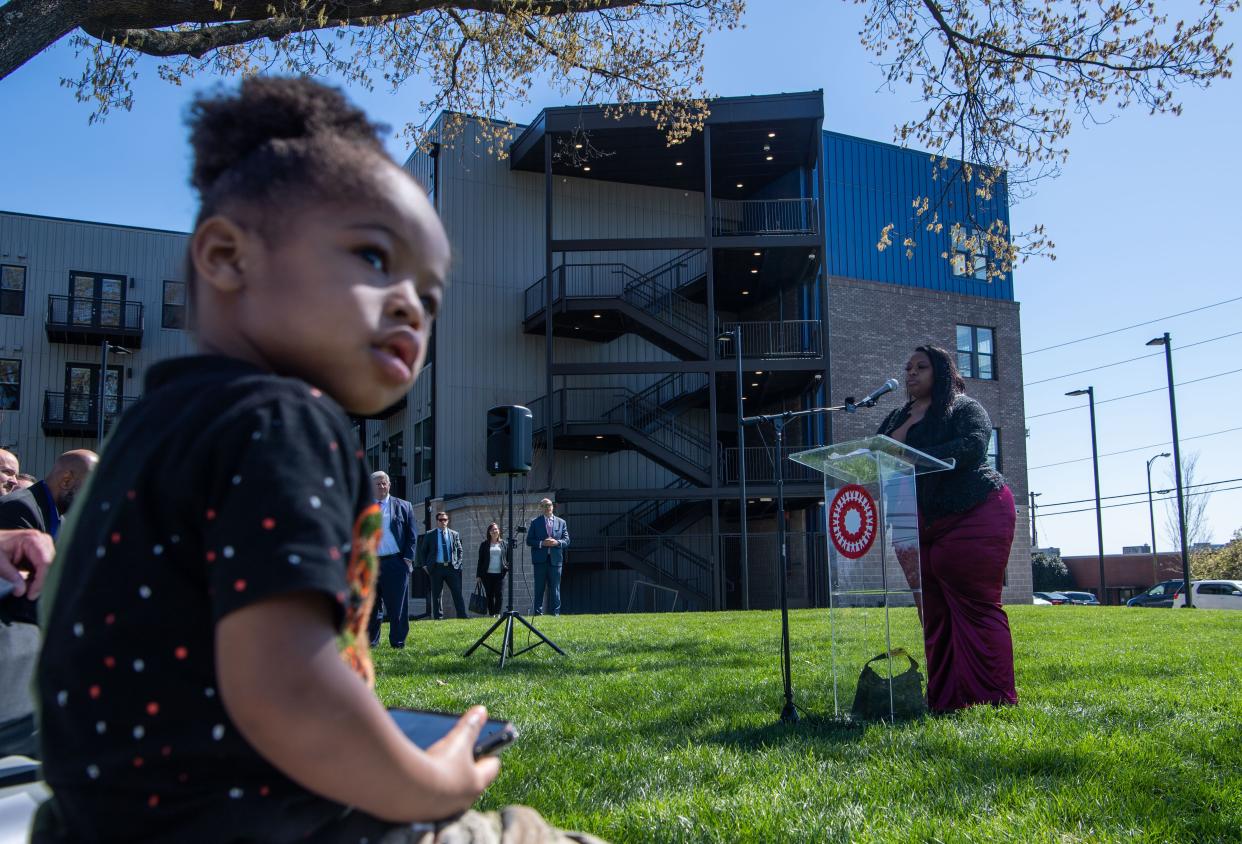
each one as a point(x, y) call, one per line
point(459, 771)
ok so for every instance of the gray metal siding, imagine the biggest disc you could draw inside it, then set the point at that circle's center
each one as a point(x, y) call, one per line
point(51, 249)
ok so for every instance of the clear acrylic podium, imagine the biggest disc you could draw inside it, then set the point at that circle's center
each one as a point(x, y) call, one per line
point(872, 533)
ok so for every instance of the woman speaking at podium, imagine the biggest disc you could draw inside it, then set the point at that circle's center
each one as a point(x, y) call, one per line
point(966, 524)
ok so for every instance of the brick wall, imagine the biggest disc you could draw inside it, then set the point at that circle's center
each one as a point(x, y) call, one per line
point(873, 327)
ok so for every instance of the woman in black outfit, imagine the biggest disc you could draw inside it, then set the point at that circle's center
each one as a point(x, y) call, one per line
point(492, 567)
point(966, 525)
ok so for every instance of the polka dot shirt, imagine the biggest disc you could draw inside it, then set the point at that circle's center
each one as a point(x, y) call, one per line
point(222, 487)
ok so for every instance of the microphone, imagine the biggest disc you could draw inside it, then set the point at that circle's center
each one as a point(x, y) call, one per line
point(870, 399)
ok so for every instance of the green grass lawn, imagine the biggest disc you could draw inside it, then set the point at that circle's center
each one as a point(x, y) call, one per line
point(665, 728)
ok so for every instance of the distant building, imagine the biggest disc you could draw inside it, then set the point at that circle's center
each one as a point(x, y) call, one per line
point(1125, 574)
point(1136, 549)
point(594, 270)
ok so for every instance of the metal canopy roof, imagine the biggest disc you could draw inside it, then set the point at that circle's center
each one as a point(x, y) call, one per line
point(587, 143)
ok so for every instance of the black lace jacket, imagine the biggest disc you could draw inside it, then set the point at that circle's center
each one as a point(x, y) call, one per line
point(963, 434)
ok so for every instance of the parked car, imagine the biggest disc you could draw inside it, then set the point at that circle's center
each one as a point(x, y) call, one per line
point(1052, 597)
point(1087, 598)
point(1160, 595)
point(1213, 595)
point(1040, 602)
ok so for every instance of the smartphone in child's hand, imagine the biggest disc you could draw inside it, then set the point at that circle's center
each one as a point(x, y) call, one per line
point(425, 728)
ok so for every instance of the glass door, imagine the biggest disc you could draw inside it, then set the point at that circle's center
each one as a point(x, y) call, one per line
point(82, 392)
point(97, 300)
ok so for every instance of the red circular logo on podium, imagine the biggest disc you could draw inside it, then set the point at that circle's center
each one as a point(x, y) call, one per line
point(852, 521)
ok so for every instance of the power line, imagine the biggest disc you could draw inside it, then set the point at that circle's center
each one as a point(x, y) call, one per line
point(1128, 327)
point(1132, 494)
point(1044, 515)
point(1132, 395)
point(1132, 450)
point(1129, 360)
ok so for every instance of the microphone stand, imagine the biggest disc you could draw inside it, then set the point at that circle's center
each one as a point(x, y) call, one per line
point(789, 712)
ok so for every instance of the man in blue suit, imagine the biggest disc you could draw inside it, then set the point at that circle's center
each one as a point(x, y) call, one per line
point(548, 537)
point(396, 559)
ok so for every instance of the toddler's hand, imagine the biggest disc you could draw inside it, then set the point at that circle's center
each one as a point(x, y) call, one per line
point(463, 775)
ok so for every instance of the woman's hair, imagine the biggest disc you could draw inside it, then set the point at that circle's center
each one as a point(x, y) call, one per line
point(488, 532)
point(946, 382)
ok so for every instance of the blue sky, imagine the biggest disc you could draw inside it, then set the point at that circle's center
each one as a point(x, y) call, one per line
point(1143, 217)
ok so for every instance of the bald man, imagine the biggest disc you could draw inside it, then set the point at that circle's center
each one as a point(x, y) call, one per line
point(8, 471)
point(43, 504)
point(39, 508)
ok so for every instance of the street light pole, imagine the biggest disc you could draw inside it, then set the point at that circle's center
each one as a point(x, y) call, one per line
point(735, 334)
point(1089, 392)
point(1034, 534)
point(1177, 465)
point(1151, 512)
point(103, 387)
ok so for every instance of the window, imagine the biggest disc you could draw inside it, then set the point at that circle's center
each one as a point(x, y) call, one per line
point(970, 253)
point(10, 385)
point(422, 451)
point(994, 450)
point(396, 464)
point(174, 305)
point(12, 290)
point(976, 352)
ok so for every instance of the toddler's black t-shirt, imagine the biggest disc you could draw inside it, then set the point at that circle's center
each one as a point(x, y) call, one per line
point(223, 486)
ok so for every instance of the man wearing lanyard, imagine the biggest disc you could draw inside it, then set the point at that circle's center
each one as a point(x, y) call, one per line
point(396, 559)
point(441, 552)
point(41, 508)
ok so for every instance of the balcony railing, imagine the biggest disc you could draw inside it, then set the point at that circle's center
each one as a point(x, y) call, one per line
point(81, 319)
point(760, 466)
point(791, 338)
point(75, 414)
point(764, 216)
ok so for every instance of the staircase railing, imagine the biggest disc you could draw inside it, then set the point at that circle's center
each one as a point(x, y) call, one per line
point(646, 513)
point(620, 406)
point(672, 387)
point(760, 465)
point(655, 292)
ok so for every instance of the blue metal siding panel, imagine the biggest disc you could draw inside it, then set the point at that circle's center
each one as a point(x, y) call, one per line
point(869, 185)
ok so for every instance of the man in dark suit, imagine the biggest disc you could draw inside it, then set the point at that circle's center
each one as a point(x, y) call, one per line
point(548, 537)
point(440, 552)
point(38, 508)
point(396, 559)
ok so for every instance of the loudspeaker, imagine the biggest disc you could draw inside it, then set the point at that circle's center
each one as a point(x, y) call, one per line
point(509, 440)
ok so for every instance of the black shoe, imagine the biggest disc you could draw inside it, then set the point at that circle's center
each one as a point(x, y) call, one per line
point(398, 647)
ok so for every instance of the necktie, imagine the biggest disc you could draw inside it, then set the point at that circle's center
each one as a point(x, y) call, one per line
point(444, 549)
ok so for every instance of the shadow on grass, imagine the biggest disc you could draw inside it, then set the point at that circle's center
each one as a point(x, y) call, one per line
point(813, 729)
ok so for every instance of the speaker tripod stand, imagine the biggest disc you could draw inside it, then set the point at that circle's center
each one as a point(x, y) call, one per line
point(510, 615)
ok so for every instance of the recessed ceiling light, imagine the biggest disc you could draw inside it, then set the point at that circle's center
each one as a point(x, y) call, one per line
point(753, 271)
point(758, 371)
point(577, 146)
point(757, 254)
point(767, 158)
point(771, 134)
point(767, 147)
point(755, 384)
point(577, 328)
point(599, 436)
point(739, 184)
point(597, 316)
point(811, 256)
point(678, 163)
point(588, 168)
point(745, 292)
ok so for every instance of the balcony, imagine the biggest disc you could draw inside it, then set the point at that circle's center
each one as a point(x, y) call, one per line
point(776, 340)
point(761, 469)
point(757, 217)
point(77, 415)
point(89, 321)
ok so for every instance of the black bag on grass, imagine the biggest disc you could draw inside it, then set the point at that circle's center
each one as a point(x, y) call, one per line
point(478, 600)
point(871, 700)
